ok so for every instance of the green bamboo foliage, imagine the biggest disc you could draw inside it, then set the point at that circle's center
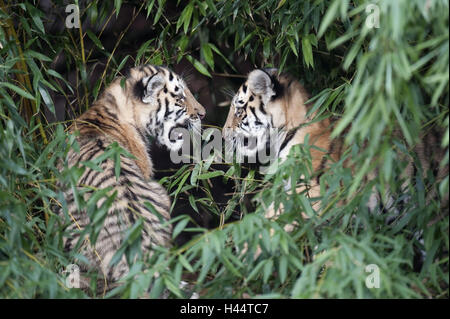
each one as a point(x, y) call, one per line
point(381, 81)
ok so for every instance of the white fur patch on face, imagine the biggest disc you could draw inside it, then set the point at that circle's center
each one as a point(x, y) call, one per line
point(169, 121)
point(177, 86)
point(252, 132)
point(175, 130)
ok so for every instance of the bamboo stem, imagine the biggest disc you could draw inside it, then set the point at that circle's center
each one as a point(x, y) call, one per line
point(24, 78)
point(83, 59)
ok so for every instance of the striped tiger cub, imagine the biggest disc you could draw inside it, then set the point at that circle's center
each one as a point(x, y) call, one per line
point(268, 100)
point(149, 103)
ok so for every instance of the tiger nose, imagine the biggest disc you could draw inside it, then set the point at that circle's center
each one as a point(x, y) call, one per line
point(201, 114)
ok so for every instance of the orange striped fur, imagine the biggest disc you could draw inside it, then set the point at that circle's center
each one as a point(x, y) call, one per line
point(150, 102)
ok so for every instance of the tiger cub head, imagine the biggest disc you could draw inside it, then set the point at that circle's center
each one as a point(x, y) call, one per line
point(264, 107)
point(163, 106)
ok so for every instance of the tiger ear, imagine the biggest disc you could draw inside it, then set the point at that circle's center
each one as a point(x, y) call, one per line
point(260, 83)
point(152, 84)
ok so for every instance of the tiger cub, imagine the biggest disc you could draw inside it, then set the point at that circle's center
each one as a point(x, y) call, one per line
point(150, 102)
point(269, 101)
